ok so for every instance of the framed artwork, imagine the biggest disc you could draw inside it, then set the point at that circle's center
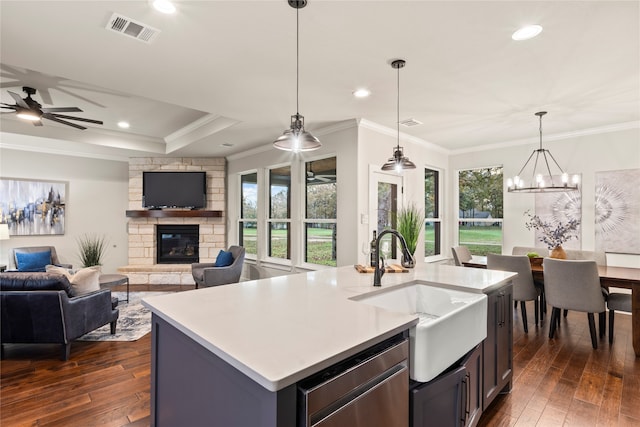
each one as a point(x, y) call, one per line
point(558, 207)
point(32, 207)
point(617, 211)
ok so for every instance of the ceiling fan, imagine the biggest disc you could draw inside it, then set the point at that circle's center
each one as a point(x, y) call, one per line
point(32, 110)
point(312, 176)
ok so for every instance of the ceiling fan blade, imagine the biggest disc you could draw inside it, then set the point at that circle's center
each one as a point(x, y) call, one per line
point(13, 107)
point(19, 101)
point(62, 116)
point(64, 122)
point(61, 110)
point(37, 123)
point(46, 96)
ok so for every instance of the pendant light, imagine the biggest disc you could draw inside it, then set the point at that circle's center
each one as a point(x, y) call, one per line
point(295, 138)
point(543, 180)
point(398, 162)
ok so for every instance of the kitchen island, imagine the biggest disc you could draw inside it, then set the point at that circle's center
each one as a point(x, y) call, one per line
point(237, 351)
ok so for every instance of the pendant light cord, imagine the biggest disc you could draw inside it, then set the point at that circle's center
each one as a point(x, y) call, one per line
point(398, 109)
point(297, 61)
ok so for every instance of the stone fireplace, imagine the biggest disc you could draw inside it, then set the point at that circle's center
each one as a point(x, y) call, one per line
point(144, 266)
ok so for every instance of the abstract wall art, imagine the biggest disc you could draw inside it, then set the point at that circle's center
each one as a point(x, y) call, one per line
point(617, 211)
point(555, 207)
point(32, 207)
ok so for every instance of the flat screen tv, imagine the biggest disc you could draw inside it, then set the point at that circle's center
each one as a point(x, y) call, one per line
point(174, 190)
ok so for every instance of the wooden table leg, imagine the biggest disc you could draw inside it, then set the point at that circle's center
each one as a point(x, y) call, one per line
point(635, 318)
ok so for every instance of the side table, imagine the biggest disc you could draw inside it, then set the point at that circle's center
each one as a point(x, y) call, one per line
point(3, 268)
point(108, 280)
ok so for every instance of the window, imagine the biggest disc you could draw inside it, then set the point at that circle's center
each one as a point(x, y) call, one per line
point(320, 212)
point(248, 226)
point(480, 210)
point(279, 212)
point(432, 223)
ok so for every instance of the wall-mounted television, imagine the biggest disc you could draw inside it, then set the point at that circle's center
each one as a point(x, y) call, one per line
point(167, 189)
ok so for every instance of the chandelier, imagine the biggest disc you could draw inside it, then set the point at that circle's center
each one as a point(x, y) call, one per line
point(542, 179)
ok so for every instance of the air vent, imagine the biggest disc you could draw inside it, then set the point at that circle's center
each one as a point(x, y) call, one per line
point(128, 27)
point(410, 122)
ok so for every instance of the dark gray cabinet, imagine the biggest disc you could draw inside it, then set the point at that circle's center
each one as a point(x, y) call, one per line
point(453, 399)
point(472, 387)
point(498, 346)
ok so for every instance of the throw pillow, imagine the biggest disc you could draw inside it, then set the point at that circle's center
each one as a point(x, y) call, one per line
point(83, 281)
point(33, 261)
point(224, 259)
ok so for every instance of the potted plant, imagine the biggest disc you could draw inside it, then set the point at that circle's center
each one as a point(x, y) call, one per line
point(553, 235)
point(410, 220)
point(92, 248)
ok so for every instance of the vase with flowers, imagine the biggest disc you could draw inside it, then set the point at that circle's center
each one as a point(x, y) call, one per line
point(553, 235)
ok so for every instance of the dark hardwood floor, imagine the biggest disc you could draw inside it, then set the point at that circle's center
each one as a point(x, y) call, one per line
point(556, 382)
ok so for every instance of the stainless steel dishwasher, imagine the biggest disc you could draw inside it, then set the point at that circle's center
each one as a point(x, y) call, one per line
point(370, 389)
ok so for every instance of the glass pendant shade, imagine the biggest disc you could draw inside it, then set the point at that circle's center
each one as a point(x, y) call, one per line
point(295, 138)
point(398, 162)
point(542, 179)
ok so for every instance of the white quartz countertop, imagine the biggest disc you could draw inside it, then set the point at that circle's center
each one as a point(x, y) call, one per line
point(280, 330)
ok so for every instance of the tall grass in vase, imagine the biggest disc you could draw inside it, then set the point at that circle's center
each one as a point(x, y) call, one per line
point(92, 248)
point(410, 220)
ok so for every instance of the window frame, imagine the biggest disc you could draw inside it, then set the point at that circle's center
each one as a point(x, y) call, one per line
point(478, 220)
point(269, 220)
point(439, 203)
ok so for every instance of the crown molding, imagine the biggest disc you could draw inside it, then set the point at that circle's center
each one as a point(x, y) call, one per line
point(552, 137)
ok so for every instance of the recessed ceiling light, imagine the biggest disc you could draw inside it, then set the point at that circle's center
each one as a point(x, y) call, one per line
point(361, 93)
point(527, 32)
point(164, 6)
point(123, 125)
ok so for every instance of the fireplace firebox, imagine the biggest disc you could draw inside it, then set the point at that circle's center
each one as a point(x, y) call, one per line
point(177, 244)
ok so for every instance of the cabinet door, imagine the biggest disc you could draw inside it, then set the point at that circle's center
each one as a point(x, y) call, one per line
point(437, 403)
point(472, 387)
point(498, 346)
point(505, 342)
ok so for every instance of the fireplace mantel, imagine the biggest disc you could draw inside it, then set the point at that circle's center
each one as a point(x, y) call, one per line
point(159, 213)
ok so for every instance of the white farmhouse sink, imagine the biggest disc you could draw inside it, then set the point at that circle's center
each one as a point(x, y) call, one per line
point(451, 323)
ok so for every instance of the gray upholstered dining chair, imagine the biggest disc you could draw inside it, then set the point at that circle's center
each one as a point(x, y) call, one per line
point(461, 254)
point(207, 274)
point(523, 287)
point(574, 285)
point(600, 257)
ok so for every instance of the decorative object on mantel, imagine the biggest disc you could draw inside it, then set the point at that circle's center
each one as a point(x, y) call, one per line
point(617, 206)
point(398, 162)
point(538, 183)
point(296, 139)
point(33, 207)
point(553, 235)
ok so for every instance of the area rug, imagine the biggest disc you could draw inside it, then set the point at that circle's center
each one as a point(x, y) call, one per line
point(134, 321)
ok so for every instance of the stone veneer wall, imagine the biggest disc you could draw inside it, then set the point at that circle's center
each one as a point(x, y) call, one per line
point(142, 268)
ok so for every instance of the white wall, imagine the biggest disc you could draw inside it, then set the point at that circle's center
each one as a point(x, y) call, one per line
point(584, 155)
point(375, 147)
point(96, 201)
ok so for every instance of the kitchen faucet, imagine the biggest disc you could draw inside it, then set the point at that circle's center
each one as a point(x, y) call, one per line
point(407, 258)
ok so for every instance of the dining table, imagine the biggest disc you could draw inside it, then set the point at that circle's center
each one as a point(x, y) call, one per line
point(619, 277)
